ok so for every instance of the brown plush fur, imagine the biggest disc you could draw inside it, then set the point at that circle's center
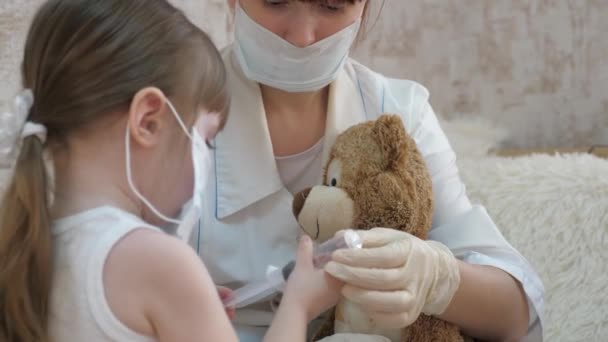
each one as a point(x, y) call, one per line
point(384, 174)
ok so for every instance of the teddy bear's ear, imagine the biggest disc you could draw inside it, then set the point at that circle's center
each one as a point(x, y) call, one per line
point(391, 137)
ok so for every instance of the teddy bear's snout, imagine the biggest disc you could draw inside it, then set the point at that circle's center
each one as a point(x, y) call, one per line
point(321, 211)
point(299, 200)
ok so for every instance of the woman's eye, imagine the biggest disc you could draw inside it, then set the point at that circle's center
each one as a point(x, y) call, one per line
point(331, 7)
point(275, 3)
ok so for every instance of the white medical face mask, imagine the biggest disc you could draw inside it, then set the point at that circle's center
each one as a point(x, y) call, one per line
point(201, 160)
point(269, 59)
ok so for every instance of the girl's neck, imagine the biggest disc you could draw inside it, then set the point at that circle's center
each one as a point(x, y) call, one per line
point(83, 180)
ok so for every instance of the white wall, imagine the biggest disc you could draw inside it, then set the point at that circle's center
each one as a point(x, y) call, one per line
point(538, 66)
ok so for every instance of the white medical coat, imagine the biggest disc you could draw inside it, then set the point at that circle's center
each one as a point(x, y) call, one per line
point(247, 222)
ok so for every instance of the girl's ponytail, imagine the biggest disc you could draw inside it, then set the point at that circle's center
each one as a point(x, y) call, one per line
point(25, 248)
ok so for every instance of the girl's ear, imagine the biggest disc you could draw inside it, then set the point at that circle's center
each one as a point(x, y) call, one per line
point(146, 116)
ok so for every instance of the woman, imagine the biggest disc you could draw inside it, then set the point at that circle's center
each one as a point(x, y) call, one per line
point(294, 90)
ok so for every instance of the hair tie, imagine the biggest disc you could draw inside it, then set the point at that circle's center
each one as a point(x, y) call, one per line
point(23, 104)
point(14, 127)
point(34, 129)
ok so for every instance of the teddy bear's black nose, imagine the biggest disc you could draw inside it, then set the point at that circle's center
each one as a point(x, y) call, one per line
point(298, 201)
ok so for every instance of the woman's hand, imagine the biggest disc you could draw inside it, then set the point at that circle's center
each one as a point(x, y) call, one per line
point(226, 294)
point(397, 276)
point(312, 289)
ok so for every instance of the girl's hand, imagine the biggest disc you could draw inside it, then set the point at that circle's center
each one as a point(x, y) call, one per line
point(225, 294)
point(312, 289)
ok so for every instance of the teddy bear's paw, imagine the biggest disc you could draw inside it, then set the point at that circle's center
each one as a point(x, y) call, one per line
point(354, 338)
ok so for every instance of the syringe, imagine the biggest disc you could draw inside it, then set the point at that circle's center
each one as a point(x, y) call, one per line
point(276, 277)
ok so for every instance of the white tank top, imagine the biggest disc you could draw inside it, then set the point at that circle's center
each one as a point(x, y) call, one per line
point(81, 244)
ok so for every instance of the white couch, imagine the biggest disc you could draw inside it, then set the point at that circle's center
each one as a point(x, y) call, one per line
point(554, 210)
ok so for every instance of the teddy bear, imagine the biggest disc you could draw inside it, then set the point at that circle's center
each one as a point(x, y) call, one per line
point(374, 177)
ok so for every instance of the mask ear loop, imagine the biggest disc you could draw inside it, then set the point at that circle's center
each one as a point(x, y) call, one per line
point(179, 120)
point(132, 185)
point(130, 176)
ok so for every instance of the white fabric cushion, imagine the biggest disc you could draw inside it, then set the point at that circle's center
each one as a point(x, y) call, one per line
point(554, 210)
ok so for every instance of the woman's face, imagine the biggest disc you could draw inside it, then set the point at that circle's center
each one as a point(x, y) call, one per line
point(303, 23)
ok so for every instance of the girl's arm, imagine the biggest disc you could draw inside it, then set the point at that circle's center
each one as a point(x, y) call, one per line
point(158, 286)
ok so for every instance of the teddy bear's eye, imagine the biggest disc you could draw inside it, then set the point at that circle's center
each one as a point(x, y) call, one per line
point(334, 173)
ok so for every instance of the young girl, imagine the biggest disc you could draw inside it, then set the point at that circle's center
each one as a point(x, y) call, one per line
point(120, 96)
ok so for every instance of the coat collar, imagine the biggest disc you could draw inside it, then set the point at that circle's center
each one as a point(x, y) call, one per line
point(245, 166)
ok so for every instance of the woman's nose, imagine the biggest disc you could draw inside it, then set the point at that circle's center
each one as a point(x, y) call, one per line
point(301, 31)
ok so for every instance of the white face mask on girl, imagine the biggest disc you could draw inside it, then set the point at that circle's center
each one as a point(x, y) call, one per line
point(269, 59)
point(201, 160)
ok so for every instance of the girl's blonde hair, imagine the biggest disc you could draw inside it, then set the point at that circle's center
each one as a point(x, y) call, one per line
point(85, 59)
